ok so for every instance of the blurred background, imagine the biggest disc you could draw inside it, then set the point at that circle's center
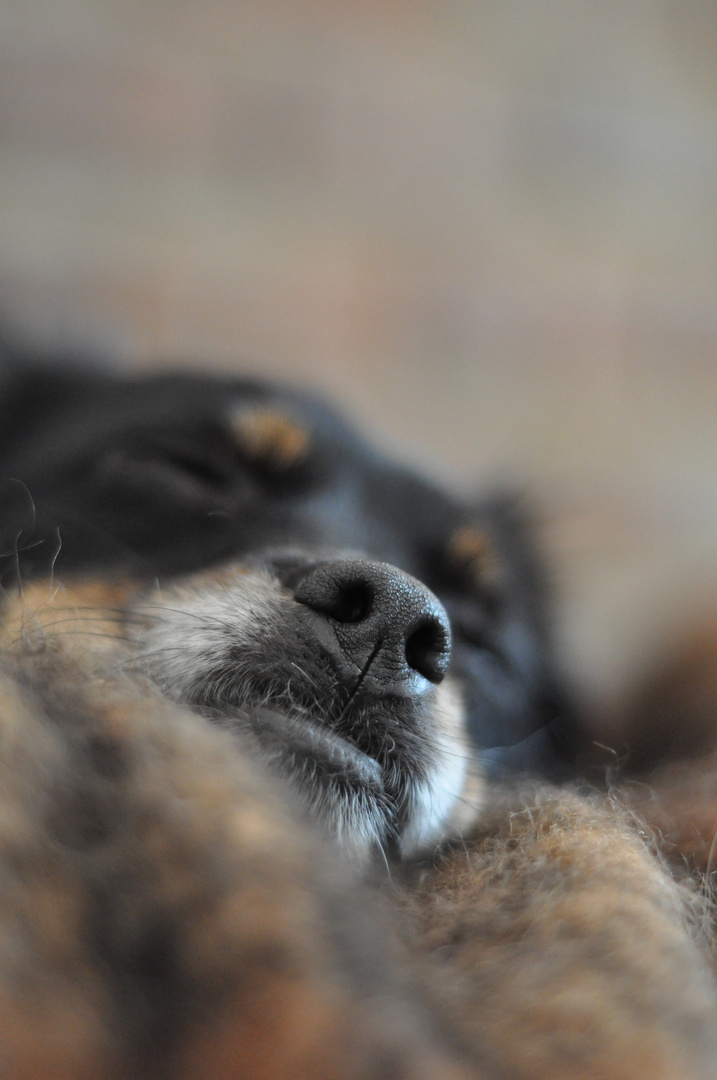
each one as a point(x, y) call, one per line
point(487, 227)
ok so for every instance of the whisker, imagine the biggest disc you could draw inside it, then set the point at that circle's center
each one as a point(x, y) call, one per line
point(205, 619)
point(712, 857)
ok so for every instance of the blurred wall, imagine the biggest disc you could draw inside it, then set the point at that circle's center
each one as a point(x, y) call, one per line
point(489, 228)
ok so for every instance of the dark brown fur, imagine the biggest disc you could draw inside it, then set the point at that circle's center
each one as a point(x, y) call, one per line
point(165, 912)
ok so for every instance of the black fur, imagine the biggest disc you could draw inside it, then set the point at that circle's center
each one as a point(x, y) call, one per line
point(144, 477)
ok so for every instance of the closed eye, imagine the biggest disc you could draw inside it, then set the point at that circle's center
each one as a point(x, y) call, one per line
point(200, 468)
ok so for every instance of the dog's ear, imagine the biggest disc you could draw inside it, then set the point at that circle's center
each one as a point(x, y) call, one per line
point(493, 584)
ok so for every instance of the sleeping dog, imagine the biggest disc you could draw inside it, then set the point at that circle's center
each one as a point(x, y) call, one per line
point(384, 617)
point(244, 657)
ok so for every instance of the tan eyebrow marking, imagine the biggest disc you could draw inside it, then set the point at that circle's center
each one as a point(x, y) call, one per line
point(269, 437)
point(473, 549)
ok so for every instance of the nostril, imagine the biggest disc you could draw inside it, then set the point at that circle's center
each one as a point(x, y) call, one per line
point(350, 603)
point(331, 590)
point(428, 650)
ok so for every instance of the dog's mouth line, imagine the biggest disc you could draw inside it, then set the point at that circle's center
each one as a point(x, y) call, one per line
point(331, 718)
point(337, 752)
point(335, 755)
point(302, 738)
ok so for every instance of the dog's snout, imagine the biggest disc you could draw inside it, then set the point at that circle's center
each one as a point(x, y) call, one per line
point(385, 622)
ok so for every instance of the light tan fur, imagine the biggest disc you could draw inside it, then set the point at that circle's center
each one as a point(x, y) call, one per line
point(562, 947)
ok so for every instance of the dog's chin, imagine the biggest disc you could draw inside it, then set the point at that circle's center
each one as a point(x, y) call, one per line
point(393, 804)
point(354, 798)
point(341, 787)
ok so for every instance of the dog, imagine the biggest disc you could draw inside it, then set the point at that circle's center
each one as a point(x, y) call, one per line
point(268, 706)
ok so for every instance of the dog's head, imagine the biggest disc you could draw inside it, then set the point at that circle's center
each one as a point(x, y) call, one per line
point(362, 603)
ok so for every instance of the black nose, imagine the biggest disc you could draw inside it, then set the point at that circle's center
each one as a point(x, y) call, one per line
point(384, 622)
